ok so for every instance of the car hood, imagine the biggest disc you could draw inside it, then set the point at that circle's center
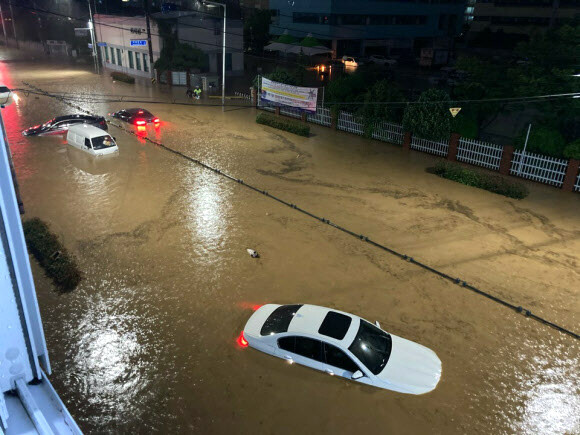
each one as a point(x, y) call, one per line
point(411, 368)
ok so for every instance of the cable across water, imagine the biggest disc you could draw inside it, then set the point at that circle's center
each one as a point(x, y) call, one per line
point(458, 281)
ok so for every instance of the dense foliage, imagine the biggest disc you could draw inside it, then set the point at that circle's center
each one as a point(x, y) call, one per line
point(491, 182)
point(257, 29)
point(52, 256)
point(543, 140)
point(178, 56)
point(373, 111)
point(431, 120)
point(572, 150)
point(299, 128)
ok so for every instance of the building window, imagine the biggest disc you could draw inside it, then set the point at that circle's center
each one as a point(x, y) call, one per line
point(138, 61)
point(145, 63)
point(119, 60)
point(131, 64)
point(112, 55)
point(106, 53)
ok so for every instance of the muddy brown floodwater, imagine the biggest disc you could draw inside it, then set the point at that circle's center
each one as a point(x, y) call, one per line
point(147, 341)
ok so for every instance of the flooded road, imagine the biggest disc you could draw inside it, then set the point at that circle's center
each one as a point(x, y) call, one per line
point(147, 341)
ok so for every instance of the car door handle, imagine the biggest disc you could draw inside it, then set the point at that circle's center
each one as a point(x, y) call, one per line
point(288, 358)
point(330, 372)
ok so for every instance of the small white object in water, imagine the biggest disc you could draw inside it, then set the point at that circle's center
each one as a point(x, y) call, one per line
point(253, 254)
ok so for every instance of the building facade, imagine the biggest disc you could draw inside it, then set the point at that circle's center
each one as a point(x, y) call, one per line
point(522, 17)
point(375, 26)
point(123, 46)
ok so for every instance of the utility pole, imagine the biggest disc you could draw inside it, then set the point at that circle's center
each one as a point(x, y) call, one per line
point(523, 156)
point(93, 37)
point(13, 25)
point(146, 7)
point(224, 53)
point(3, 26)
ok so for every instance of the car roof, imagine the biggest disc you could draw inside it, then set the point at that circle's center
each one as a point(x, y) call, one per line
point(88, 130)
point(309, 318)
point(135, 110)
point(65, 117)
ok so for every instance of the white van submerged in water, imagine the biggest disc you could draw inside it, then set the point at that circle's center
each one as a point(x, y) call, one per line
point(91, 139)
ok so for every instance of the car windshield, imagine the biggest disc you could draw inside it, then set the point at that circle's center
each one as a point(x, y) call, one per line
point(372, 346)
point(49, 123)
point(279, 320)
point(102, 142)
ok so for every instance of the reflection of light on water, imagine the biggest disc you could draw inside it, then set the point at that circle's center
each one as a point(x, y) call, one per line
point(552, 404)
point(552, 408)
point(208, 205)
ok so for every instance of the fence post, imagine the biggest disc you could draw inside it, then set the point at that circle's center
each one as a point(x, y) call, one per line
point(277, 110)
point(187, 79)
point(571, 175)
point(333, 117)
point(407, 140)
point(303, 116)
point(506, 159)
point(170, 78)
point(254, 93)
point(453, 144)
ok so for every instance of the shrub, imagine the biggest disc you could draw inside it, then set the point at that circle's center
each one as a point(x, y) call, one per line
point(52, 256)
point(491, 182)
point(572, 150)
point(283, 124)
point(542, 140)
point(122, 77)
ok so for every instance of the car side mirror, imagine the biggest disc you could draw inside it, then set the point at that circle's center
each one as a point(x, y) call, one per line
point(357, 375)
point(377, 323)
point(114, 138)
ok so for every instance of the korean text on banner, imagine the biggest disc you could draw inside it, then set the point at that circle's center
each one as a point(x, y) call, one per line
point(288, 95)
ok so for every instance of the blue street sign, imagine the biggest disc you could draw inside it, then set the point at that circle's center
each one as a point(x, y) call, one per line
point(102, 44)
point(138, 42)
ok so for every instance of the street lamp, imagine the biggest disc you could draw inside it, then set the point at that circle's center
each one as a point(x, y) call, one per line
point(224, 52)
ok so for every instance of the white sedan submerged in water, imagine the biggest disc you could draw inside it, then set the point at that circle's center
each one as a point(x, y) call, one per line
point(342, 344)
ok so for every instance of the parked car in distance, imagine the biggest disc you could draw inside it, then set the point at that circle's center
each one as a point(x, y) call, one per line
point(137, 116)
point(61, 124)
point(342, 344)
point(382, 60)
point(91, 140)
point(350, 61)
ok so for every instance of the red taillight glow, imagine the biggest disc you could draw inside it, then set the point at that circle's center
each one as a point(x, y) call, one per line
point(156, 120)
point(257, 307)
point(140, 122)
point(140, 112)
point(242, 340)
point(36, 126)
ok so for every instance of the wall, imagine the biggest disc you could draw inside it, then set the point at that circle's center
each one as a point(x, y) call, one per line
point(117, 32)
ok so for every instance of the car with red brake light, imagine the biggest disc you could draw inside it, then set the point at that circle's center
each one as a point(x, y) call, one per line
point(136, 116)
point(342, 344)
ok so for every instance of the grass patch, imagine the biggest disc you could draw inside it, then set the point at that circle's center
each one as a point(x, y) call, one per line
point(493, 183)
point(52, 256)
point(122, 77)
point(295, 127)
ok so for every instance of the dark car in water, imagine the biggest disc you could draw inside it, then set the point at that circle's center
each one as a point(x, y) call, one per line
point(136, 116)
point(61, 124)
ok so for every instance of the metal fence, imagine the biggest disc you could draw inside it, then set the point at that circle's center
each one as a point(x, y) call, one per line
point(479, 153)
point(388, 132)
point(347, 122)
point(549, 170)
point(430, 146)
point(243, 96)
point(292, 113)
point(321, 117)
point(577, 185)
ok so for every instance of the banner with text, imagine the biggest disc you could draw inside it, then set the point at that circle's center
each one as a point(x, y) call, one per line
point(287, 95)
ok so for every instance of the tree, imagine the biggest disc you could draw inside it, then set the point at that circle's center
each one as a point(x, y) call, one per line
point(372, 113)
point(430, 120)
point(181, 57)
point(257, 30)
point(279, 75)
